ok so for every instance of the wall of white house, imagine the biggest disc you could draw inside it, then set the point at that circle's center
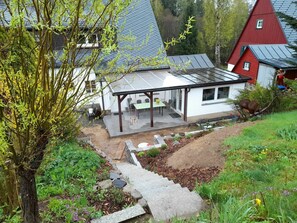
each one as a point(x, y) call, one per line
point(197, 107)
point(265, 75)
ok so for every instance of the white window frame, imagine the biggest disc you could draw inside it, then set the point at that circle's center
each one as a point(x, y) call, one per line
point(89, 44)
point(90, 86)
point(216, 94)
point(259, 23)
point(246, 65)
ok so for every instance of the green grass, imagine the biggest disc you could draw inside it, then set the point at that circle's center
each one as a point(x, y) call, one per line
point(261, 164)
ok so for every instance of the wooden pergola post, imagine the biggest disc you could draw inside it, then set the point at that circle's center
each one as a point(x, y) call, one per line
point(120, 99)
point(187, 90)
point(150, 96)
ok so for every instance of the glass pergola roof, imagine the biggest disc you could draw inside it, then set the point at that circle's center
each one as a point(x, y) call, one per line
point(162, 80)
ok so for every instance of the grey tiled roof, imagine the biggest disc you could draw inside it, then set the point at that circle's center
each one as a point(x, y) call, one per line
point(139, 22)
point(195, 61)
point(276, 55)
point(287, 7)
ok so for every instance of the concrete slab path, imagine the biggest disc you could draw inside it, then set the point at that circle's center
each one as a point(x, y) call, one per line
point(165, 198)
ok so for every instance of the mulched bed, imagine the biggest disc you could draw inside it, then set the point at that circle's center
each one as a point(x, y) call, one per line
point(187, 177)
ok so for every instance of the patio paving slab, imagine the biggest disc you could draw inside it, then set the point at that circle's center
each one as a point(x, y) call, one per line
point(132, 124)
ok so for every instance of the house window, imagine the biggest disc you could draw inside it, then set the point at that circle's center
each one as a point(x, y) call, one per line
point(223, 92)
point(259, 24)
point(208, 94)
point(246, 65)
point(213, 94)
point(90, 86)
point(89, 41)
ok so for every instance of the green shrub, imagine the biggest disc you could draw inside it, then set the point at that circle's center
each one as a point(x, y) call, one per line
point(270, 98)
point(59, 207)
point(177, 137)
point(141, 154)
point(153, 152)
point(189, 135)
point(164, 146)
point(288, 133)
point(117, 195)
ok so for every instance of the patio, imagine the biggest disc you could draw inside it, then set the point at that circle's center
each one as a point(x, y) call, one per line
point(132, 124)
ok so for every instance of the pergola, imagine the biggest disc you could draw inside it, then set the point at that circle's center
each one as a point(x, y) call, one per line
point(148, 82)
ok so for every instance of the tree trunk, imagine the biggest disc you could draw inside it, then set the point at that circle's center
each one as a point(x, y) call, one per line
point(218, 55)
point(29, 198)
point(10, 190)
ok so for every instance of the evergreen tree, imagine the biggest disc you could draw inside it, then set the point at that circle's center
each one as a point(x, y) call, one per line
point(190, 44)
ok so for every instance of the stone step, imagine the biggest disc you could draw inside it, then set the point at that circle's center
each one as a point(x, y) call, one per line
point(150, 193)
point(181, 204)
point(158, 182)
point(164, 198)
point(120, 216)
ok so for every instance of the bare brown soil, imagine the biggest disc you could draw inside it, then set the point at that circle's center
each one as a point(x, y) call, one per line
point(193, 161)
point(206, 151)
point(188, 163)
point(114, 147)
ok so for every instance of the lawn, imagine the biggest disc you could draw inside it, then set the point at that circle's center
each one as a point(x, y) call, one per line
point(259, 181)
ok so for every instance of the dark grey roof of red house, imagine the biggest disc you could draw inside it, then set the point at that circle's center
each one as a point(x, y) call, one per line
point(276, 55)
point(289, 8)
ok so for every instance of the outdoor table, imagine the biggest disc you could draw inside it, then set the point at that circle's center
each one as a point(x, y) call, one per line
point(147, 105)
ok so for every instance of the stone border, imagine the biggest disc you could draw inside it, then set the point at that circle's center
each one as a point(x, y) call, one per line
point(130, 149)
point(127, 188)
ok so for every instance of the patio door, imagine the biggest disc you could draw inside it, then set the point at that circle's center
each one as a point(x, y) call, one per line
point(176, 97)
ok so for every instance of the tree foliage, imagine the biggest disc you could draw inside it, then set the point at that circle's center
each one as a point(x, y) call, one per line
point(40, 85)
point(223, 22)
point(190, 44)
point(41, 82)
point(218, 22)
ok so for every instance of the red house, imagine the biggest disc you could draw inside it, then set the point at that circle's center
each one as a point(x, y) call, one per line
point(262, 46)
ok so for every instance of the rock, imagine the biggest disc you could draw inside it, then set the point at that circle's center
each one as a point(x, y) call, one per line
point(142, 202)
point(105, 184)
point(119, 183)
point(113, 176)
point(128, 188)
point(136, 194)
point(175, 143)
point(121, 216)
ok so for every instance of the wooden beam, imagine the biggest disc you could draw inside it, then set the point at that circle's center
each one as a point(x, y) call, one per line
point(187, 90)
point(120, 99)
point(150, 96)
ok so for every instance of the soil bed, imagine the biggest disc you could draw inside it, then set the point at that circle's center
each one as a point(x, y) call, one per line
point(195, 160)
point(185, 177)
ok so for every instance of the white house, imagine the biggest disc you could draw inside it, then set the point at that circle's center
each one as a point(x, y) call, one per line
point(196, 91)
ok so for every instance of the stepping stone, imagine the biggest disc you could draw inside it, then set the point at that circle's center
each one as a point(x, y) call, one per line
point(105, 184)
point(122, 215)
point(114, 176)
point(119, 183)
